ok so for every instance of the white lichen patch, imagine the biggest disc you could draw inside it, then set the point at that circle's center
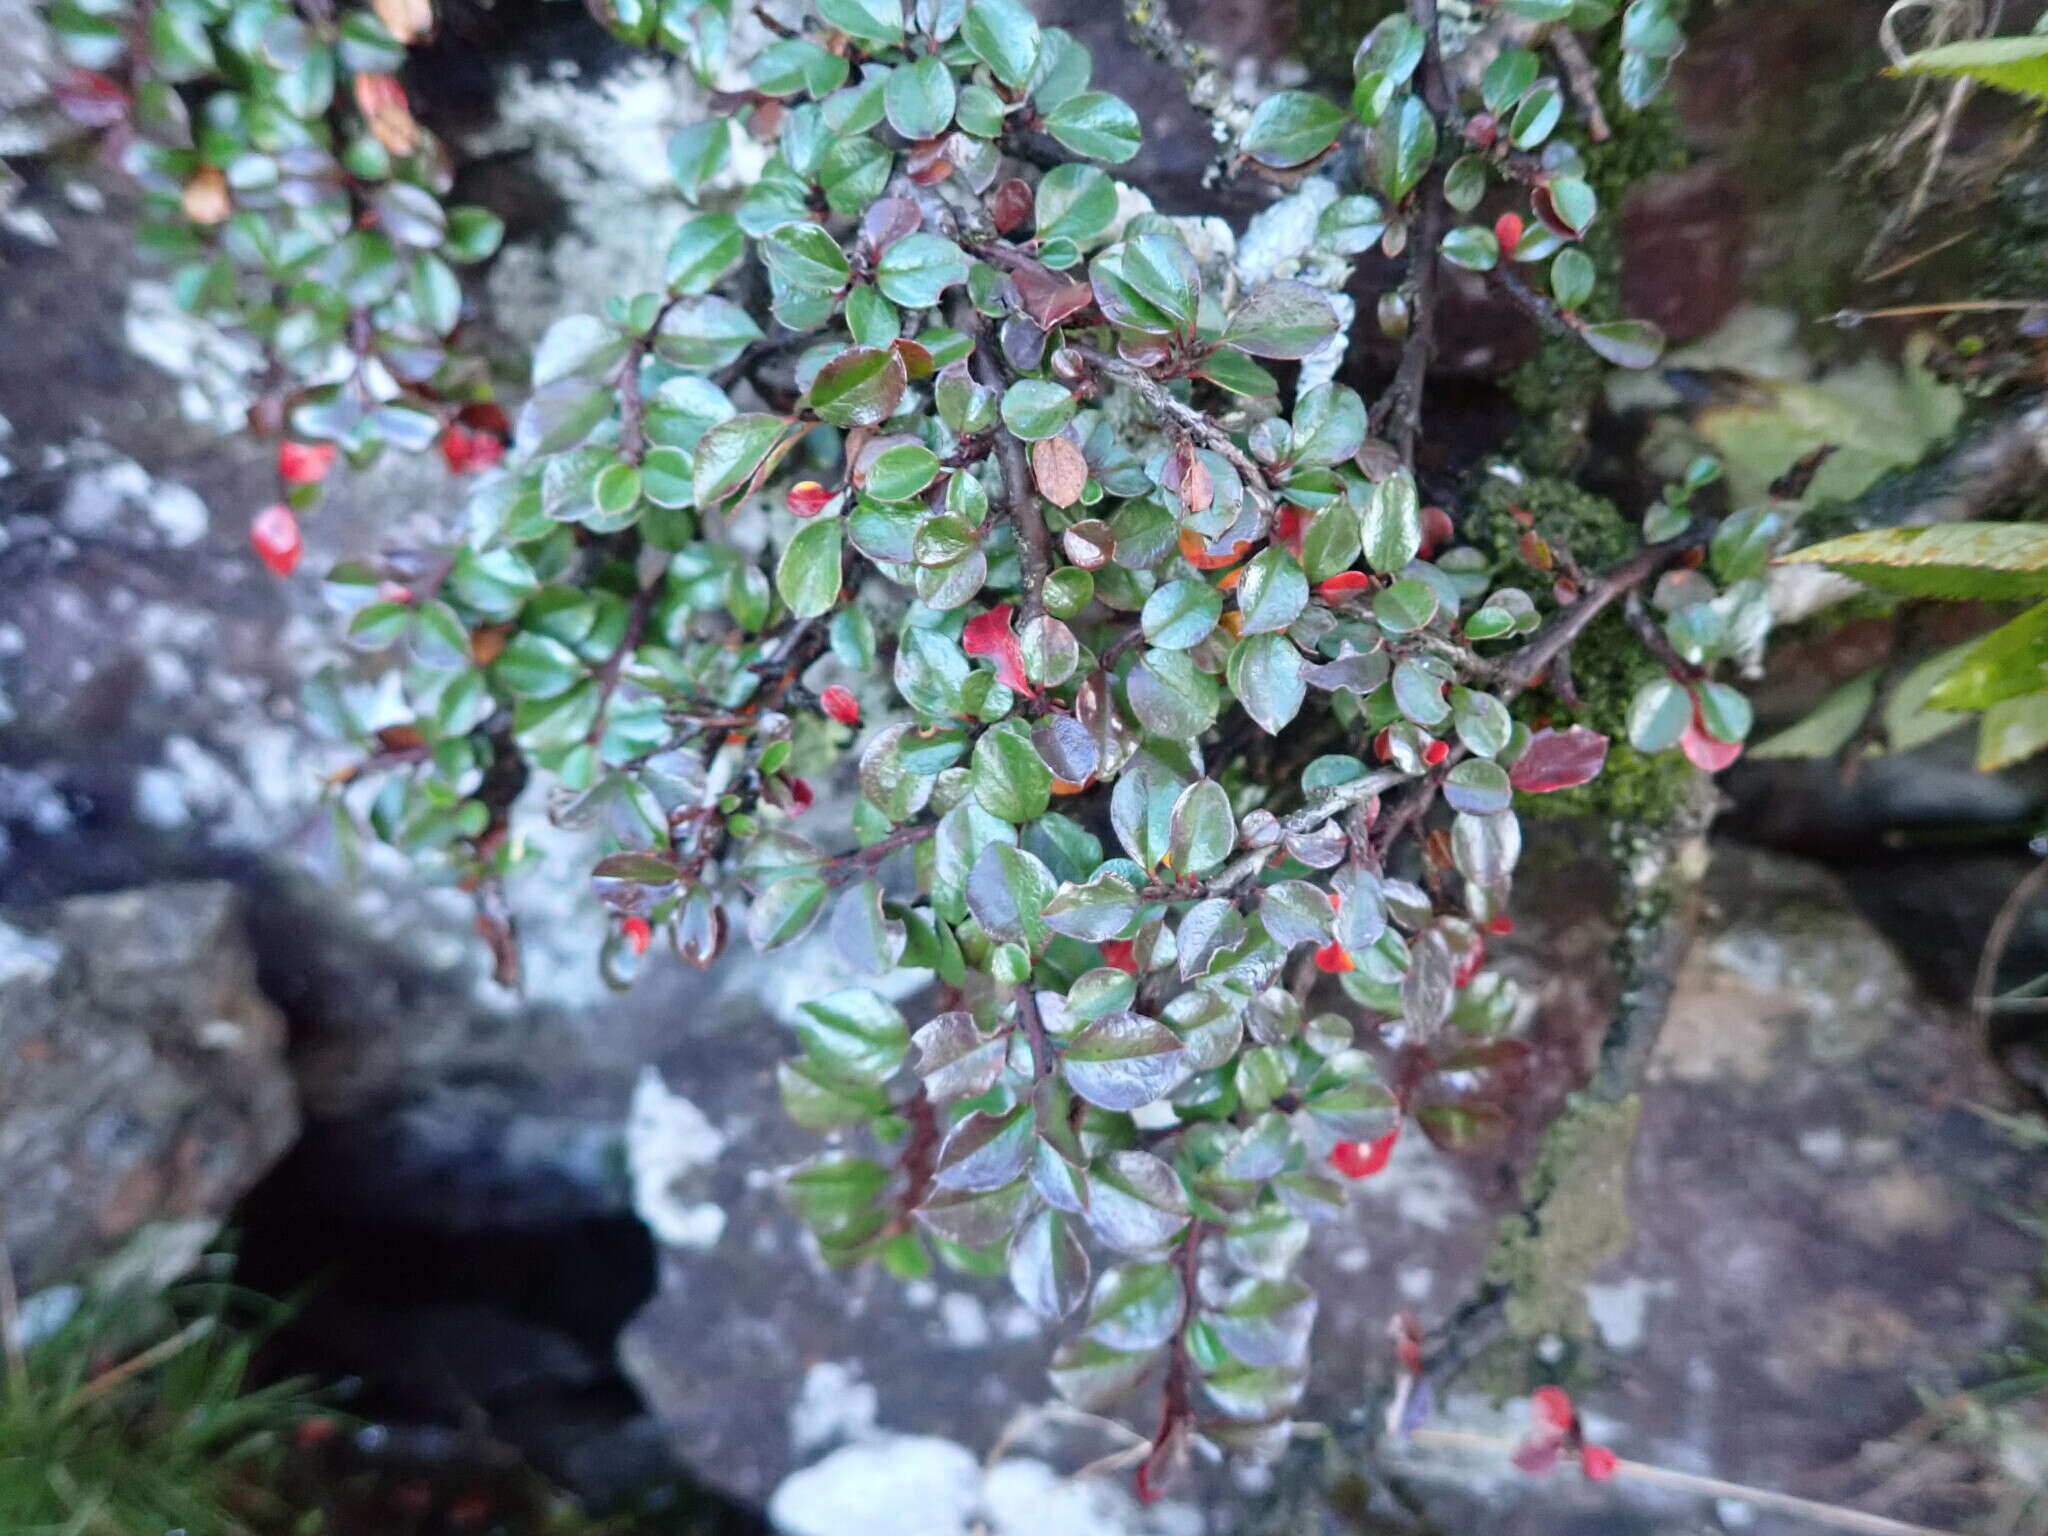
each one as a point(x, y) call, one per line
point(213, 368)
point(1619, 1310)
point(669, 1142)
point(834, 1404)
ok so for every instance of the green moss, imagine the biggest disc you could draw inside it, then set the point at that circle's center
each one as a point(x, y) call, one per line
point(1608, 662)
point(1578, 1191)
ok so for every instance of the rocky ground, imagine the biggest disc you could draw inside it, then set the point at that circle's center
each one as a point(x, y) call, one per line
point(551, 1214)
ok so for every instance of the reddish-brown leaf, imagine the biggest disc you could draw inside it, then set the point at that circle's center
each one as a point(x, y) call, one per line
point(1059, 469)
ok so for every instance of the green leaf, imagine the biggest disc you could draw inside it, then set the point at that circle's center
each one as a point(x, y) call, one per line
point(920, 98)
point(899, 473)
point(1472, 248)
point(1658, 715)
point(1960, 560)
point(785, 911)
point(730, 452)
point(1181, 614)
point(1122, 1062)
point(1512, 72)
point(1272, 592)
point(872, 21)
point(1281, 319)
point(1074, 202)
point(860, 388)
point(915, 270)
point(2017, 64)
point(1625, 343)
point(1828, 727)
point(704, 333)
point(698, 153)
point(1265, 675)
point(1574, 202)
point(1724, 712)
point(1202, 830)
point(1571, 278)
point(2012, 729)
point(1404, 143)
point(1290, 128)
point(1009, 779)
point(535, 666)
point(854, 1033)
point(1391, 526)
point(808, 575)
point(803, 255)
point(1097, 125)
point(702, 252)
point(1036, 408)
point(1404, 607)
point(1003, 35)
point(1008, 891)
point(1536, 114)
point(2010, 661)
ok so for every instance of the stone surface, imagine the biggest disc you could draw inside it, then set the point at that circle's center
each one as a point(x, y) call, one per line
point(1819, 1231)
point(144, 1079)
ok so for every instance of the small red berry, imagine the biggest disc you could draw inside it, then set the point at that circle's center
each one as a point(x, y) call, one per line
point(468, 452)
point(1383, 744)
point(1436, 752)
point(1120, 954)
point(841, 705)
point(312, 1432)
point(1501, 923)
point(1334, 958)
point(638, 934)
point(1598, 1463)
point(274, 535)
point(304, 463)
point(801, 796)
point(1507, 229)
point(1553, 1406)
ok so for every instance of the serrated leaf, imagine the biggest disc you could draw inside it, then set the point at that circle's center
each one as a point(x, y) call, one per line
point(1986, 561)
point(2017, 64)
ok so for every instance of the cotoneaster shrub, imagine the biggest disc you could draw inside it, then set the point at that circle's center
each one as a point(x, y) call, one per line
point(1186, 764)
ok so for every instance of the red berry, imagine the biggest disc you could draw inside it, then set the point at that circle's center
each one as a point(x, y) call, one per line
point(841, 705)
point(1383, 744)
point(807, 498)
point(638, 934)
point(304, 463)
point(1553, 1406)
point(1334, 958)
point(469, 452)
point(312, 1432)
point(274, 535)
point(801, 796)
point(1598, 1463)
point(1507, 229)
point(1120, 954)
point(1501, 923)
point(1436, 752)
point(1437, 531)
point(1363, 1159)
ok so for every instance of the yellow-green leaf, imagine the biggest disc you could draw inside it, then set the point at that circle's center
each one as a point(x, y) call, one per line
point(1960, 560)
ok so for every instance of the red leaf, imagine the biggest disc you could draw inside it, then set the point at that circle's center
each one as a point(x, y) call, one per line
point(1010, 206)
point(1598, 1463)
point(1049, 297)
point(274, 535)
point(1342, 585)
point(91, 100)
point(1703, 751)
point(807, 498)
point(1363, 1159)
point(1437, 531)
point(928, 165)
point(887, 220)
point(990, 635)
point(304, 463)
point(1119, 954)
point(841, 705)
point(1188, 477)
point(1559, 760)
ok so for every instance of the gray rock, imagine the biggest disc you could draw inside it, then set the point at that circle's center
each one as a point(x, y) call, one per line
point(145, 1079)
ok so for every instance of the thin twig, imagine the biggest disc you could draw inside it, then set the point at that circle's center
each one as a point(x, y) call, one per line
point(10, 1322)
point(1983, 987)
point(1582, 80)
point(1020, 493)
point(1707, 1487)
point(1176, 414)
point(135, 1365)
